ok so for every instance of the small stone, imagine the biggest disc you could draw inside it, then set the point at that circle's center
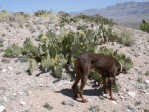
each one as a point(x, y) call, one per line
point(4, 70)
point(114, 102)
point(147, 81)
point(139, 54)
point(5, 99)
point(3, 89)
point(89, 99)
point(68, 102)
point(26, 110)
point(130, 107)
point(10, 68)
point(20, 92)
point(79, 105)
point(29, 83)
point(22, 103)
point(101, 97)
point(127, 89)
point(117, 100)
point(146, 110)
point(57, 28)
point(132, 94)
point(2, 101)
point(121, 97)
point(2, 108)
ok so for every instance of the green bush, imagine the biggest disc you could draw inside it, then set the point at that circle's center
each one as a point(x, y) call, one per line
point(144, 26)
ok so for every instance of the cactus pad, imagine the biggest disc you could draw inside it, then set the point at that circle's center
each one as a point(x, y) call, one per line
point(58, 72)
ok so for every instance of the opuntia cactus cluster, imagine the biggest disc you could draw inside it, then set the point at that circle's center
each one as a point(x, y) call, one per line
point(55, 51)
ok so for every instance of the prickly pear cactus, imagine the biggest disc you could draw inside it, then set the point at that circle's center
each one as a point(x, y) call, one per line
point(62, 62)
point(40, 38)
point(89, 35)
point(75, 48)
point(96, 76)
point(62, 31)
point(125, 61)
point(34, 50)
point(52, 51)
point(16, 49)
point(40, 50)
point(45, 63)
point(33, 64)
point(8, 51)
point(58, 72)
point(51, 35)
point(28, 42)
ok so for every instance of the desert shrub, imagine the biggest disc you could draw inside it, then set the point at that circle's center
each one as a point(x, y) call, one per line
point(39, 12)
point(126, 37)
point(144, 26)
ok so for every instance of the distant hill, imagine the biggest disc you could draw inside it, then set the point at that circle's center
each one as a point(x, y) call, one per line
point(127, 12)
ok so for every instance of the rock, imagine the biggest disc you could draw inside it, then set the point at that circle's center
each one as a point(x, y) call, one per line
point(68, 102)
point(89, 99)
point(57, 28)
point(22, 103)
point(5, 99)
point(112, 43)
point(101, 97)
point(113, 102)
point(146, 110)
point(79, 105)
point(127, 89)
point(130, 107)
point(19, 92)
point(2, 108)
point(3, 89)
point(132, 94)
point(28, 110)
point(93, 110)
point(2, 101)
point(104, 95)
point(139, 54)
point(10, 68)
point(4, 70)
point(147, 81)
point(29, 83)
point(57, 83)
point(122, 97)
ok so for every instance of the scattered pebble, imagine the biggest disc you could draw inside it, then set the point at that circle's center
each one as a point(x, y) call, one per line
point(132, 94)
point(2, 108)
point(22, 103)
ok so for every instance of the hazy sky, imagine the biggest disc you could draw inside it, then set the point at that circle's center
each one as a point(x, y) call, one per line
point(30, 6)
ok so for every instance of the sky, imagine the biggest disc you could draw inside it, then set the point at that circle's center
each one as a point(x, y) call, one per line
point(31, 6)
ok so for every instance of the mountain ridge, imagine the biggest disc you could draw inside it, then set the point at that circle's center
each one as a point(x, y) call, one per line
point(120, 10)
